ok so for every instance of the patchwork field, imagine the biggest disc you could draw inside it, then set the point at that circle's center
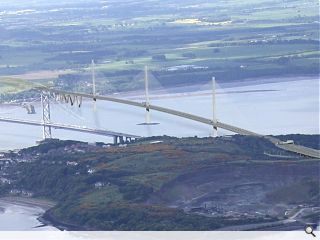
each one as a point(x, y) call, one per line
point(179, 41)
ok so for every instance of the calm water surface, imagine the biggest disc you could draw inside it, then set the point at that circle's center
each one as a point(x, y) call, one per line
point(15, 217)
point(291, 107)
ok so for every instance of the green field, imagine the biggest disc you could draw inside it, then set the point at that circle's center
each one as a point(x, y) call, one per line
point(233, 40)
point(13, 85)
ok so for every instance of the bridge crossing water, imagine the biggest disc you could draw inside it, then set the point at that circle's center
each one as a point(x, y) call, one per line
point(75, 98)
point(215, 124)
point(118, 137)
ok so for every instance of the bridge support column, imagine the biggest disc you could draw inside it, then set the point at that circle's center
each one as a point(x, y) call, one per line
point(45, 102)
point(146, 82)
point(214, 118)
point(120, 138)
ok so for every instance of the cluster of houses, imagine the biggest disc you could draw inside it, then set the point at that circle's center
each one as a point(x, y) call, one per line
point(4, 180)
point(5, 162)
point(7, 159)
point(84, 147)
point(23, 193)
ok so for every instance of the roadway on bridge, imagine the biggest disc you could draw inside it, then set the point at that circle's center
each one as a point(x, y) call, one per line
point(288, 147)
point(70, 127)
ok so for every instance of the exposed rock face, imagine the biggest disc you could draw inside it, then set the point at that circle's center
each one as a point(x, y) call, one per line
point(244, 188)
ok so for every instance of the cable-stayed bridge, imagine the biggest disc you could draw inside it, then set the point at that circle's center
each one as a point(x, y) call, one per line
point(71, 97)
point(75, 98)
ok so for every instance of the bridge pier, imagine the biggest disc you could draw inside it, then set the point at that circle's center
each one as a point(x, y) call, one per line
point(115, 140)
point(119, 140)
point(214, 118)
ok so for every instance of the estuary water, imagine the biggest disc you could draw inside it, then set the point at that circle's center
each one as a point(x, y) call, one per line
point(19, 217)
point(270, 106)
point(273, 106)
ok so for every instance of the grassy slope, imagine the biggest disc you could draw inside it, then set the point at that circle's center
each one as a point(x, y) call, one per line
point(13, 85)
point(134, 175)
point(297, 193)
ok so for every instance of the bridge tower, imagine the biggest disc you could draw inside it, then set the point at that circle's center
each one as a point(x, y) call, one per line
point(93, 73)
point(146, 81)
point(214, 118)
point(94, 93)
point(45, 102)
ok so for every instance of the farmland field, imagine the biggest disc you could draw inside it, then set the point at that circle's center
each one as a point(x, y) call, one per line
point(232, 40)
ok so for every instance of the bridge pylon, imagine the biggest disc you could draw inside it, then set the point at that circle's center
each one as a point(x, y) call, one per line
point(94, 93)
point(46, 117)
point(214, 118)
point(146, 82)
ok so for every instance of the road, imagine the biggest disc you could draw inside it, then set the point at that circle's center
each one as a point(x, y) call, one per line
point(70, 127)
point(259, 226)
point(288, 147)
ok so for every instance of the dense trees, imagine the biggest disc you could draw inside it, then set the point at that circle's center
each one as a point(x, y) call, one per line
point(118, 193)
point(159, 57)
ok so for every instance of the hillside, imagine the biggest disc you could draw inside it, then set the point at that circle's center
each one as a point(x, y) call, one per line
point(174, 184)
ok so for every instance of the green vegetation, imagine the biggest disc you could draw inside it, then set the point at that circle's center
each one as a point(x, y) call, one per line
point(231, 40)
point(13, 85)
point(308, 191)
point(135, 187)
point(128, 217)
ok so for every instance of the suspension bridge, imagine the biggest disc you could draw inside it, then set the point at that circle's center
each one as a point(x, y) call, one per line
point(117, 136)
point(75, 98)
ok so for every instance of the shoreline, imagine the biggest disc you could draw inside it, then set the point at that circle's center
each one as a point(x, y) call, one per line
point(45, 205)
point(196, 88)
point(29, 202)
point(46, 219)
point(50, 220)
point(201, 96)
point(189, 90)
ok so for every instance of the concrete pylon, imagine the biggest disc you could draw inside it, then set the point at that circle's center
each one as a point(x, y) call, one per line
point(146, 81)
point(214, 118)
point(93, 72)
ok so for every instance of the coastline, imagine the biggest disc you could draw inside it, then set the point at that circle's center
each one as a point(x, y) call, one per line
point(29, 202)
point(186, 89)
point(43, 204)
point(21, 139)
point(48, 219)
point(189, 90)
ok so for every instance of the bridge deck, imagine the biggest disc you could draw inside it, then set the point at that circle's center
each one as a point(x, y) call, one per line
point(70, 127)
point(292, 147)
